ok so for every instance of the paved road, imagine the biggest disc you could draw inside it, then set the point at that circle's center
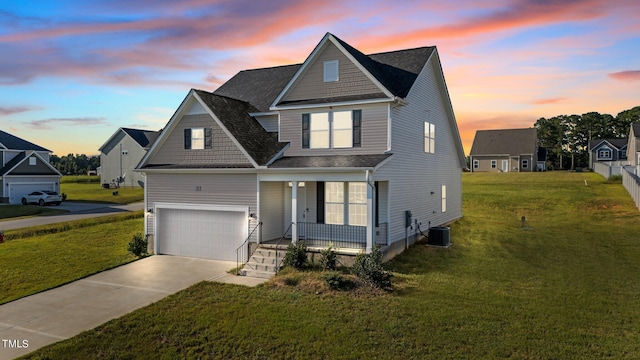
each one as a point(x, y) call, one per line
point(77, 211)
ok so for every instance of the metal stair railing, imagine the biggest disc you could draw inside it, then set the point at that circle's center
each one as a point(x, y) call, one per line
point(278, 245)
point(241, 247)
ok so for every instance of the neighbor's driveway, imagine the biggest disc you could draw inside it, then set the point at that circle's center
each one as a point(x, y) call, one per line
point(66, 311)
point(77, 211)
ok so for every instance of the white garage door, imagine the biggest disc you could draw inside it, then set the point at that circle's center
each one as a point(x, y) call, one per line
point(18, 191)
point(207, 234)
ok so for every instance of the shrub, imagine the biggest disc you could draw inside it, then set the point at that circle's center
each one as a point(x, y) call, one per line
point(337, 281)
point(138, 245)
point(328, 259)
point(368, 267)
point(614, 179)
point(296, 255)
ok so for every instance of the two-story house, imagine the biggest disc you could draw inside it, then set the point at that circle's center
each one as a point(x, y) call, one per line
point(120, 155)
point(345, 149)
point(25, 168)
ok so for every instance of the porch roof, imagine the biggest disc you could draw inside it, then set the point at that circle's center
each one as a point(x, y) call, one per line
point(330, 161)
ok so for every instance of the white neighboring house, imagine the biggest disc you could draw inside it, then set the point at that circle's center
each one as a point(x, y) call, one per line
point(120, 155)
point(334, 151)
point(25, 168)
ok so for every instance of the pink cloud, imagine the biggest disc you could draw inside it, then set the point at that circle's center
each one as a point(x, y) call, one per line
point(51, 123)
point(548, 101)
point(629, 75)
point(4, 111)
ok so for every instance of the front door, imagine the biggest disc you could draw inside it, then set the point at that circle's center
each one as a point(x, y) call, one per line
point(505, 165)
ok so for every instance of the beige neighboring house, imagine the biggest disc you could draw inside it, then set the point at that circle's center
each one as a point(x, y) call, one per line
point(506, 150)
point(24, 168)
point(120, 155)
point(633, 146)
point(345, 150)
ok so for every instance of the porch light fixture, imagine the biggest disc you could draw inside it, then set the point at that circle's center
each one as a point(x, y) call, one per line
point(150, 211)
point(252, 216)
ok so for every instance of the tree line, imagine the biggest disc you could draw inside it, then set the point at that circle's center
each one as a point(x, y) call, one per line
point(77, 164)
point(566, 137)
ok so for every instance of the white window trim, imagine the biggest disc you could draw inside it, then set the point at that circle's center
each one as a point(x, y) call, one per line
point(331, 129)
point(346, 204)
point(429, 138)
point(525, 163)
point(329, 67)
point(494, 164)
point(198, 139)
point(476, 164)
point(609, 151)
point(444, 198)
point(321, 131)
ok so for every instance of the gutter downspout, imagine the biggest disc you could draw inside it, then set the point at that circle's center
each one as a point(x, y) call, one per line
point(370, 213)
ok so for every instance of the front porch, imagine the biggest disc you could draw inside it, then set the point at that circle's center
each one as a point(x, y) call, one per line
point(350, 216)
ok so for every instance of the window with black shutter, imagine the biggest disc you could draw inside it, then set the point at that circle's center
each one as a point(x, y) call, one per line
point(320, 202)
point(187, 138)
point(208, 138)
point(357, 128)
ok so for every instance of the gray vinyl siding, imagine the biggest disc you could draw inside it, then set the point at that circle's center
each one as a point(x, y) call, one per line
point(484, 163)
point(40, 168)
point(271, 211)
point(415, 177)
point(268, 122)
point(351, 80)
point(223, 151)
point(215, 189)
point(374, 130)
point(632, 148)
point(110, 161)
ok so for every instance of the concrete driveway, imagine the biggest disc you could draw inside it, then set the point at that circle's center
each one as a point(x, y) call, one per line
point(32, 322)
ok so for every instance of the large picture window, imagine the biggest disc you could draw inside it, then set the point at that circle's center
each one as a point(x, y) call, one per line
point(337, 129)
point(346, 203)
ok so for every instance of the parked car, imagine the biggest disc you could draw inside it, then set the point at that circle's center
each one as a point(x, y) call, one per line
point(42, 198)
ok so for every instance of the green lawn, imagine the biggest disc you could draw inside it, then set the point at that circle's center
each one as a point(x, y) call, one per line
point(564, 286)
point(15, 211)
point(93, 192)
point(40, 258)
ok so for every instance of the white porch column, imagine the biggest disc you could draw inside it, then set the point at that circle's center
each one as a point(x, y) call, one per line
point(371, 228)
point(294, 212)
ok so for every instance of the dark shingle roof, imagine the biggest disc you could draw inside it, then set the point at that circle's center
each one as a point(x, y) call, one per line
point(618, 143)
point(330, 161)
point(395, 70)
point(258, 87)
point(15, 143)
point(13, 162)
point(261, 145)
point(143, 137)
point(506, 141)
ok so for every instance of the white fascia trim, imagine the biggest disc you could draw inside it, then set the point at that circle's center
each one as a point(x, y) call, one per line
point(41, 159)
point(276, 156)
point(198, 171)
point(167, 129)
point(339, 103)
point(264, 113)
point(111, 138)
point(183, 206)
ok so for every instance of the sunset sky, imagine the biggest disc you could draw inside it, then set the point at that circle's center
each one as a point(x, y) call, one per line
point(72, 72)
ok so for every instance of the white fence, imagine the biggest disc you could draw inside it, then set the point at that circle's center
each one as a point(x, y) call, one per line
point(607, 170)
point(631, 182)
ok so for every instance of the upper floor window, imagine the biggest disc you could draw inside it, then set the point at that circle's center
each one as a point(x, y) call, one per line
point(337, 129)
point(429, 138)
point(32, 160)
point(604, 153)
point(330, 71)
point(197, 138)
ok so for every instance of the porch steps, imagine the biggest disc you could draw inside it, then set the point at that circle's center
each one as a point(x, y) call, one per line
point(262, 263)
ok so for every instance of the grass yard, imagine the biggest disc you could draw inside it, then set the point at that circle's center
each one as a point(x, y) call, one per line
point(93, 192)
point(564, 286)
point(40, 258)
point(18, 211)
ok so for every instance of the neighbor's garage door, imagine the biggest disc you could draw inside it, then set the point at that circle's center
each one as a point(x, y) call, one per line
point(18, 191)
point(200, 233)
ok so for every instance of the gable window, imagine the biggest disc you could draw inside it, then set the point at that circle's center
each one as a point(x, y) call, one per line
point(604, 154)
point(330, 71)
point(429, 138)
point(337, 129)
point(198, 138)
point(494, 164)
point(32, 160)
point(346, 203)
point(525, 163)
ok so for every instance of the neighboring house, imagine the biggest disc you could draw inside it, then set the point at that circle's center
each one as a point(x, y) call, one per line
point(607, 150)
point(633, 146)
point(120, 155)
point(25, 168)
point(336, 151)
point(506, 150)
